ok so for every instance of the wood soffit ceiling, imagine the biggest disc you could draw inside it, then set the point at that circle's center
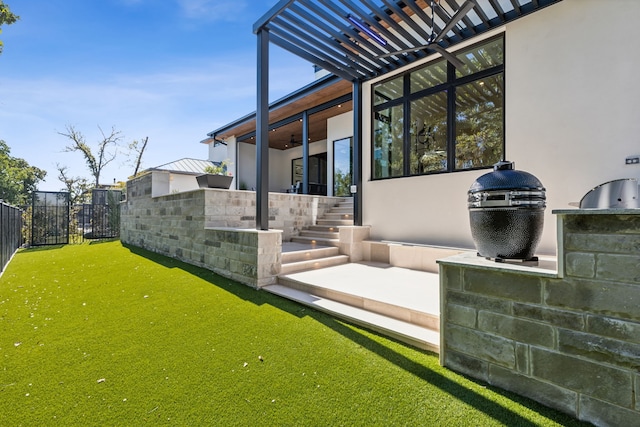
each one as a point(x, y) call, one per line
point(280, 137)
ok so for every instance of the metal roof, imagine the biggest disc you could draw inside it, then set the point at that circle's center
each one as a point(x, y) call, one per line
point(186, 166)
point(361, 40)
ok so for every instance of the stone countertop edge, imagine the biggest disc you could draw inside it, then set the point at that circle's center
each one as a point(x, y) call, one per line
point(546, 267)
point(635, 211)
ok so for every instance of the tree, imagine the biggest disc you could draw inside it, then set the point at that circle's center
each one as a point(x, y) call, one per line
point(77, 187)
point(18, 179)
point(138, 148)
point(6, 17)
point(103, 157)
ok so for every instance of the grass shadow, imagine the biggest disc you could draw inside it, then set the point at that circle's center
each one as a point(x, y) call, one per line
point(100, 241)
point(42, 248)
point(233, 287)
point(458, 391)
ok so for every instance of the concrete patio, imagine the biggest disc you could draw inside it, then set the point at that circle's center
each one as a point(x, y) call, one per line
point(399, 302)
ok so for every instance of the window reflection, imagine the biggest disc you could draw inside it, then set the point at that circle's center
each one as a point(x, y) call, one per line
point(479, 124)
point(388, 137)
point(387, 91)
point(481, 57)
point(429, 76)
point(342, 166)
point(429, 134)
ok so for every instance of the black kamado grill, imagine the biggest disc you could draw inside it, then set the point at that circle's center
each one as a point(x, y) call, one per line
point(506, 209)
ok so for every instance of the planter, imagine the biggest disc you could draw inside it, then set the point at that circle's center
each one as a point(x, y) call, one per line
point(214, 181)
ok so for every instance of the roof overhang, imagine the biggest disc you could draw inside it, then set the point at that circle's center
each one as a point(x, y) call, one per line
point(356, 40)
point(322, 99)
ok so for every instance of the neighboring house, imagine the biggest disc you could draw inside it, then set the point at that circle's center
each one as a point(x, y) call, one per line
point(554, 91)
point(177, 176)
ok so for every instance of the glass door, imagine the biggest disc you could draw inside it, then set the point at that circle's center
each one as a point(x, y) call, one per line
point(317, 174)
point(342, 167)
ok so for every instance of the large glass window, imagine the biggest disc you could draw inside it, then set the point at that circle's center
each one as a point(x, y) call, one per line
point(479, 124)
point(439, 118)
point(388, 91)
point(388, 142)
point(429, 134)
point(429, 76)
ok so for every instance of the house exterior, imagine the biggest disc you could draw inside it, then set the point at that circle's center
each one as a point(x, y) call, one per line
point(563, 101)
point(548, 84)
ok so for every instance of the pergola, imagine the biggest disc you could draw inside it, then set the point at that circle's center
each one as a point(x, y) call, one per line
point(361, 40)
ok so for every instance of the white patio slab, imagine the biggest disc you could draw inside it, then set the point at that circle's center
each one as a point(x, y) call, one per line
point(412, 289)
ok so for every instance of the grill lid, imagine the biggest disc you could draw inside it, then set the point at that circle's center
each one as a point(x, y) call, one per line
point(618, 194)
point(506, 188)
point(505, 177)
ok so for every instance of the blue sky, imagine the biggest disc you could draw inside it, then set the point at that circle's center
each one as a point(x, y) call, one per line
point(172, 70)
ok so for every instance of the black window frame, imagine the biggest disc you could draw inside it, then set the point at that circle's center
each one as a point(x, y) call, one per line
point(450, 88)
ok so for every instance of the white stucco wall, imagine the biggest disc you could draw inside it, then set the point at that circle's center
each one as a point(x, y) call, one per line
point(572, 103)
point(219, 152)
point(164, 183)
point(279, 164)
point(226, 152)
point(573, 97)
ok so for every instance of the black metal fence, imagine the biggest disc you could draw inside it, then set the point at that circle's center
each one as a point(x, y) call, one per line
point(50, 218)
point(105, 214)
point(54, 221)
point(10, 232)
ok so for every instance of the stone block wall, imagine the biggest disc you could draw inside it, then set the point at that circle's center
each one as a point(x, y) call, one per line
point(215, 228)
point(569, 340)
point(287, 212)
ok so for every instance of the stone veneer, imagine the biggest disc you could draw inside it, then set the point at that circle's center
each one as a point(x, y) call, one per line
point(215, 228)
point(571, 339)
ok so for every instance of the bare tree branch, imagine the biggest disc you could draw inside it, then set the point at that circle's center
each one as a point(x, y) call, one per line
point(139, 150)
point(77, 187)
point(95, 163)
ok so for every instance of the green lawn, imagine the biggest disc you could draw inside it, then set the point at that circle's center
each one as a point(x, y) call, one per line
point(101, 334)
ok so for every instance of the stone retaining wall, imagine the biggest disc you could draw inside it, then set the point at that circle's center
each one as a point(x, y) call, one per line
point(569, 340)
point(215, 228)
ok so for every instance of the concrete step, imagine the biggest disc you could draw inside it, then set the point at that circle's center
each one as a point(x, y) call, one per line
point(316, 241)
point(309, 254)
point(312, 264)
point(412, 334)
point(405, 314)
point(325, 228)
point(334, 222)
point(338, 216)
point(342, 210)
point(321, 234)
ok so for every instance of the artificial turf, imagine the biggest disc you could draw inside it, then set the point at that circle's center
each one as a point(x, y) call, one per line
point(102, 334)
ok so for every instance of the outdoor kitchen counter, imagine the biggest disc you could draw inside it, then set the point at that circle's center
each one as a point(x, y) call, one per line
point(566, 337)
point(596, 211)
point(576, 228)
point(546, 266)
